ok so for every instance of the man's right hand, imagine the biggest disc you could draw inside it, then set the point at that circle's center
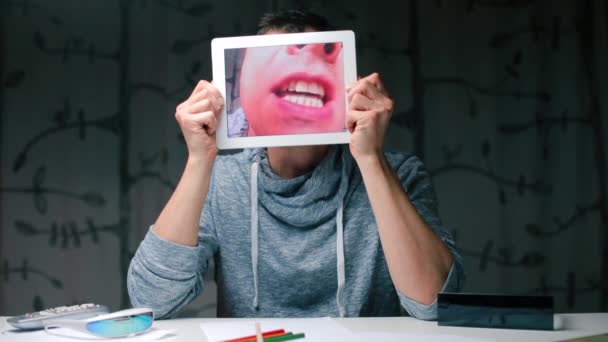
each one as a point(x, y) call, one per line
point(197, 118)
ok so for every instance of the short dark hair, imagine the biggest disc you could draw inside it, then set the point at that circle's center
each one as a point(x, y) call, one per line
point(293, 21)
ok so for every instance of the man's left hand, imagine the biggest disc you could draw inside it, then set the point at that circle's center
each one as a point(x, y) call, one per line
point(368, 116)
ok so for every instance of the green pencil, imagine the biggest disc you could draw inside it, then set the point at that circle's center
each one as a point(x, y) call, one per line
point(284, 338)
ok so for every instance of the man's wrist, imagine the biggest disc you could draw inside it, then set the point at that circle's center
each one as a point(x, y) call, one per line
point(200, 162)
point(372, 164)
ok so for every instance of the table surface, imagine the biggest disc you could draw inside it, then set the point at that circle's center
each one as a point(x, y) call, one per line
point(572, 325)
point(569, 326)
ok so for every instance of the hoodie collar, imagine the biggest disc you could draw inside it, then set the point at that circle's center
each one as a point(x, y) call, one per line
point(292, 200)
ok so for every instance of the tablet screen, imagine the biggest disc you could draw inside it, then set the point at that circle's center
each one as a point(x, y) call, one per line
point(285, 89)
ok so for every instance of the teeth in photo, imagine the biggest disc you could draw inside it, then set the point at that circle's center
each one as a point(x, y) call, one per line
point(304, 87)
point(291, 86)
point(301, 87)
point(307, 101)
point(321, 91)
point(310, 87)
point(313, 88)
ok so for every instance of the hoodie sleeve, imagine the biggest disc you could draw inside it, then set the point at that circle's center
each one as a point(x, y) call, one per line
point(416, 181)
point(166, 276)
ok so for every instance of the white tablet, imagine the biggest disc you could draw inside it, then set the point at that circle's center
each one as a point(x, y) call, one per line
point(283, 89)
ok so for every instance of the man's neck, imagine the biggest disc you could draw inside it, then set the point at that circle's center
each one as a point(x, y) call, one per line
point(291, 162)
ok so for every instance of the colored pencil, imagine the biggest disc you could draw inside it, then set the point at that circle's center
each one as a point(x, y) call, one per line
point(258, 332)
point(286, 337)
point(268, 336)
point(253, 337)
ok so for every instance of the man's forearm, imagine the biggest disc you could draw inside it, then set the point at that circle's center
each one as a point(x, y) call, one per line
point(418, 260)
point(179, 220)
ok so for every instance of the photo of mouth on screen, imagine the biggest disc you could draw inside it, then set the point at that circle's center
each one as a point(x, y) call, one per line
point(285, 89)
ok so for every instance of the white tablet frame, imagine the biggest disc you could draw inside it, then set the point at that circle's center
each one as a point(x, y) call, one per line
point(219, 45)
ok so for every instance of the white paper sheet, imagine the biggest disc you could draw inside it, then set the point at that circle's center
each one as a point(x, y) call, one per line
point(316, 329)
point(400, 337)
point(74, 336)
point(319, 330)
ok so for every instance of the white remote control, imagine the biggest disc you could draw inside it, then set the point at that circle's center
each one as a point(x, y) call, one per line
point(34, 320)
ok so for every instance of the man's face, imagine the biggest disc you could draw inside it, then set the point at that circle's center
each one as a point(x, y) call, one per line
point(293, 89)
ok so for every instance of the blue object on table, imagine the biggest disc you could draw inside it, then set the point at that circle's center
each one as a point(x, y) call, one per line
point(495, 311)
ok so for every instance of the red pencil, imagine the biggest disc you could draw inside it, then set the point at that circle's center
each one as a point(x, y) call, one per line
point(253, 337)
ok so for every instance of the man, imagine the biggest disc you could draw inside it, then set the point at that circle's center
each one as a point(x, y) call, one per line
point(299, 231)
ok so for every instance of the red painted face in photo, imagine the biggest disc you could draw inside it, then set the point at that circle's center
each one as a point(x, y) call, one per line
point(293, 89)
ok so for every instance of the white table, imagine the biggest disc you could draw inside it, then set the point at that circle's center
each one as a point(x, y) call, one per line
point(574, 325)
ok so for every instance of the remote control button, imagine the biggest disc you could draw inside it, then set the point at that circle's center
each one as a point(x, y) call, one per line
point(34, 320)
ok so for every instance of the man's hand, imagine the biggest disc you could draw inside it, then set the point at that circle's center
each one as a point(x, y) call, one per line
point(418, 260)
point(368, 116)
point(197, 118)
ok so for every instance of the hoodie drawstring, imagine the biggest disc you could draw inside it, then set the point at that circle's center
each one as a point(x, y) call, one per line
point(340, 257)
point(254, 230)
point(255, 244)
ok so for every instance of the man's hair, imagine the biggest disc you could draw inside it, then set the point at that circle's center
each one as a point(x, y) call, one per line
point(293, 21)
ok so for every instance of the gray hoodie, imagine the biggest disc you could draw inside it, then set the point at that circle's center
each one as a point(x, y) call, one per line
point(301, 247)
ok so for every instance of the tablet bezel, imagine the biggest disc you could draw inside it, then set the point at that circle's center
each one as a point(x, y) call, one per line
point(219, 45)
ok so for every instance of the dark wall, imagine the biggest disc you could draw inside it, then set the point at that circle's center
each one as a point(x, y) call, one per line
point(504, 100)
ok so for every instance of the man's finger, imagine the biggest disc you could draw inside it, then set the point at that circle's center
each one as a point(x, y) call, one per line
point(204, 88)
point(366, 88)
point(206, 94)
point(199, 86)
point(212, 126)
point(200, 107)
point(213, 91)
point(374, 78)
point(361, 102)
point(352, 117)
point(205, 120)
